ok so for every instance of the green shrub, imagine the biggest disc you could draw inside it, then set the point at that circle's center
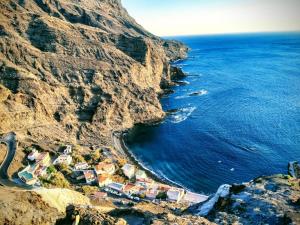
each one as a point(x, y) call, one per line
point(64, 168)
point(162, 195)
point(88, 157)
point(95, 156)
point(58, 180)
point(88, 190)
point(27, 150)
point(78, 158)
point(51, 169)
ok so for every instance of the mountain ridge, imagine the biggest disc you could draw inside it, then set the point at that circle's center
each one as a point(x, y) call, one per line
point(82, 66)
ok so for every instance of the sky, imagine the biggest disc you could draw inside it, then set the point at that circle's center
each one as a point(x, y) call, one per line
point(188, 17)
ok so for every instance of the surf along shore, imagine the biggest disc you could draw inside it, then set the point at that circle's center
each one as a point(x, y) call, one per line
point(119, 143)
point(119, 137)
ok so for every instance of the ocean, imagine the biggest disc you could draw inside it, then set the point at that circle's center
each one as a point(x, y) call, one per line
point(236, 118)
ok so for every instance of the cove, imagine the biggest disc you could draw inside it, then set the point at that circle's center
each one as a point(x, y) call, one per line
point(237, 116)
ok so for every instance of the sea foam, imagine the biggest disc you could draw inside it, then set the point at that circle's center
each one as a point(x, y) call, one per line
point(199, 93)
point(182, 114)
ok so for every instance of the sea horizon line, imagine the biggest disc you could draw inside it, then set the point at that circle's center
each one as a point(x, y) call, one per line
point(231, 33)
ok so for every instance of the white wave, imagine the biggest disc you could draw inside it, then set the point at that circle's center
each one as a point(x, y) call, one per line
point(199, 93)
point(204, 92)
point(222, 192)
point(183, 82)
point(181, 97)
point(182, 114)
point(182, 64)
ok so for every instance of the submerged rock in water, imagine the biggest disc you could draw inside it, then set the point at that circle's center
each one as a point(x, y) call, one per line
point(182, 83)
point(199, 93)
point(172, 111)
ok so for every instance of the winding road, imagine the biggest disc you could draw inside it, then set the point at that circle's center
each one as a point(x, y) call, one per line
point(11, 143)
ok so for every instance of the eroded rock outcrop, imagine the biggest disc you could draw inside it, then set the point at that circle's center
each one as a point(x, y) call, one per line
point(265, 200)
point(130, 216)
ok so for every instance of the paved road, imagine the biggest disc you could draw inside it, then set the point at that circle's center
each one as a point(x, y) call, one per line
point(11, 143)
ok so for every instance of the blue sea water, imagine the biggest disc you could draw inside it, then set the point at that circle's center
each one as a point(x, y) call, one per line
point(244, 120)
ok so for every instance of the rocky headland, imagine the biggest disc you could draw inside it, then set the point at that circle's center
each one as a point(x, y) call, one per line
point(75, 71)
point(265, 200)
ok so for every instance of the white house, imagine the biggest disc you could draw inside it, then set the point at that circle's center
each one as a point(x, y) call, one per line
point(33, 155)
point(140, 174)
point(105, 168)
point(145, 183)
point(128, 170)
point(68, 150)
point(175, 195)
point(81, 166)
point(118, 187)
point(63, 159)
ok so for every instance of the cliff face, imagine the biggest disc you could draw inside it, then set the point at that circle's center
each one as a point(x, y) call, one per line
point(77, 70)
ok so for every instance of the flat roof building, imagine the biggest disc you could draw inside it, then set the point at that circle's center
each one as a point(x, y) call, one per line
point(129, 170)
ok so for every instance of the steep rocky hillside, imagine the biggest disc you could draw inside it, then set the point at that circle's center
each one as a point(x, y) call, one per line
point(22, 208)
point(77, 70)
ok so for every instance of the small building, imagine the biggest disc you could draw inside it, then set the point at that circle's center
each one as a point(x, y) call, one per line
point(129, 170)
point(145, 183)
point(164, 187)
point(27, 176)
point(118, 187)
point(81, 166)
point(89, 176)
point(194, 198)
point(140, 174)
point(33, 155)
point(98, 196)
point(43, 159)
point(40, 171)
point(63, 159)
point(175, 195)
point(104, 180)
point(105, 168)
point(130, 189)
point(151, 194)
point(68, 150)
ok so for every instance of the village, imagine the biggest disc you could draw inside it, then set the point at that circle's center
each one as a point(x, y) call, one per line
point(105, 177)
